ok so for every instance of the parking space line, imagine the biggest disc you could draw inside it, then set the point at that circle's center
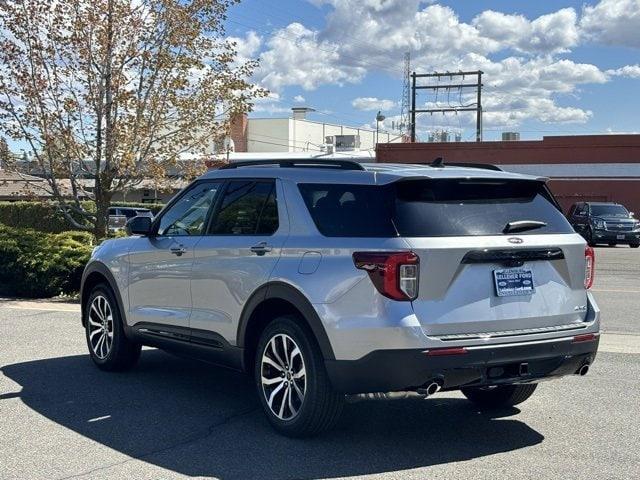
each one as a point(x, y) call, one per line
point(603, 290)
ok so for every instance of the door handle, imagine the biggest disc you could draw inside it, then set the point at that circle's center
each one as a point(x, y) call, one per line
point(179, 250)
point(261, 248)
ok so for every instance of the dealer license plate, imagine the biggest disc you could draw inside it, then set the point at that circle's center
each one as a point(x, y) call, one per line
point(513, 281)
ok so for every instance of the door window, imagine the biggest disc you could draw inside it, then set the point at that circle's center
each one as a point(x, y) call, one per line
point(188, 215)
point(248, 208)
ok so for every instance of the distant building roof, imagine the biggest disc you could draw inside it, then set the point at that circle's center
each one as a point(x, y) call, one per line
point(19, 186)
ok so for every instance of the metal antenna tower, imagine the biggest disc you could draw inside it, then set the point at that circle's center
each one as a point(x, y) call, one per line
point(405, 122)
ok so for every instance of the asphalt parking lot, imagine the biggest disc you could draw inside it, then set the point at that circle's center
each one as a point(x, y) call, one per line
point(174, 418)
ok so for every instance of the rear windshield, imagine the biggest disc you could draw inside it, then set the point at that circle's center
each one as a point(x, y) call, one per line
point(431, 208)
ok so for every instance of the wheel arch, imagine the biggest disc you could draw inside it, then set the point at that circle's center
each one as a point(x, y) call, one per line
point(268, 302)
point(94, 274)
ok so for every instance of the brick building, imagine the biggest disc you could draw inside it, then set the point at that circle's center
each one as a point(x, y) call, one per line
point(581, 168)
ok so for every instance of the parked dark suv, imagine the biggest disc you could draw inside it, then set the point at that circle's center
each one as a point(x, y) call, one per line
point(609, 223)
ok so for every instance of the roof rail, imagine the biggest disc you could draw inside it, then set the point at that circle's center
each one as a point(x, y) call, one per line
point(292, 163)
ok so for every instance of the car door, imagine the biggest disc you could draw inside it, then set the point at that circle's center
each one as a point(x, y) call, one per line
point(242, 246)
point(160, 264)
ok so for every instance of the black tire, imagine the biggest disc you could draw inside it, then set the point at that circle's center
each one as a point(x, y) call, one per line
point(500, 396)
point(635, 245)
point(321, 405)
point(589, 238)
point(121, 354)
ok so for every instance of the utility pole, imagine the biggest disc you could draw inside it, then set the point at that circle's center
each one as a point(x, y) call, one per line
point(477, 107)
point(479, 111)
point(413, 107)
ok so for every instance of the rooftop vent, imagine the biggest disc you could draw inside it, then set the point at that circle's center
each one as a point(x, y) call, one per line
point(300, 113)
point(510, 136)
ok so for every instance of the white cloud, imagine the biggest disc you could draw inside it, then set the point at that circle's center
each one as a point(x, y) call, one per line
point(552, 33)
point(613, 22)
point(630, 71)
point(247, 47)
point(529, 79)
point(295, 56)
point(373, 103)
point(271, 104)
point(299, 99)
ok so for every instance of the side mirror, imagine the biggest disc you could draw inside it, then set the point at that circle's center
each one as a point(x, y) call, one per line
point(138, 226)
point(632, 214)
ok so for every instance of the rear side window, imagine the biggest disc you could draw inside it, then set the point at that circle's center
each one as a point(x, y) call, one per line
point(431, 208)
point(349, 210)
point(248, 208)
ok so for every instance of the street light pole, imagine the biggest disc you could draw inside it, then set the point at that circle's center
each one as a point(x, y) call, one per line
point(379, 118)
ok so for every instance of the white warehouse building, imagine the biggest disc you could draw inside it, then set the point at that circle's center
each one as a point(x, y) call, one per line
point(299, 134)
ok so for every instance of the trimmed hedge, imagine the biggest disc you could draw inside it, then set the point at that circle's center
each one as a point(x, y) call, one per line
point(36, 264)
point(45, 216)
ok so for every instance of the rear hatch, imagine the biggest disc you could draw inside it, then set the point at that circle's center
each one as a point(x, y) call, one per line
point(480, 276)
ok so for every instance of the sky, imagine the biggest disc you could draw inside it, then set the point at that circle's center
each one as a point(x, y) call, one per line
point(550, 67)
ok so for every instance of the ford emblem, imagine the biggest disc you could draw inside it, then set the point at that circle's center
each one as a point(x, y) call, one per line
point(515, 240)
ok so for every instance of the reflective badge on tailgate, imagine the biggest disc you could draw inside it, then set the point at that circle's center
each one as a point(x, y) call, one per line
point(513, 281)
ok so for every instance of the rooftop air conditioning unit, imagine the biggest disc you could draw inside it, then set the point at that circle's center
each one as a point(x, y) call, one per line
point(344, 143)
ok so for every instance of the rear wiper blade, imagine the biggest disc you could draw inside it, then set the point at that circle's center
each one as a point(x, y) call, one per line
point(522, 225)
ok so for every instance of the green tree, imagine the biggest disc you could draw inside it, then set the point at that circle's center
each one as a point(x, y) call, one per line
point(5, 154)
point(117, 91)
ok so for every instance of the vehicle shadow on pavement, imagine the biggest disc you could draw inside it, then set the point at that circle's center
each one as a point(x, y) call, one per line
point(201, 420)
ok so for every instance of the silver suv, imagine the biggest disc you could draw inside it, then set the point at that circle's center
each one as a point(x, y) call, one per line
point(329, 278)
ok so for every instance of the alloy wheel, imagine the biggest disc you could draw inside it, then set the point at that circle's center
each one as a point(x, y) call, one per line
point(283, 376)
point(100, 327)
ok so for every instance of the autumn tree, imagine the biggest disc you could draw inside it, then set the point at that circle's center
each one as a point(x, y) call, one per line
point(116, 91)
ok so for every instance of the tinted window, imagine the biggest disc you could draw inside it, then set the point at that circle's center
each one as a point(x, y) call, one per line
point(188, 214)
point(473, 207)
point(609, 211)
point(349, 210)
point(424, 208)
point(248, 208)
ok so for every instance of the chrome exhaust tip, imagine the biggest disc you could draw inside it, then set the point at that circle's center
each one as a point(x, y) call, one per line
point(432, 388)
point(583, 370)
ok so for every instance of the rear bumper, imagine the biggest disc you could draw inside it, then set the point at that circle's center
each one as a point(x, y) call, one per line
point(393, 370)
point(605, 236)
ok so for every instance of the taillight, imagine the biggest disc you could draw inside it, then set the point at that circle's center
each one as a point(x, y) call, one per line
point(394, 274)
point(439, 352)
point(589, 266)
point(585, 337)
